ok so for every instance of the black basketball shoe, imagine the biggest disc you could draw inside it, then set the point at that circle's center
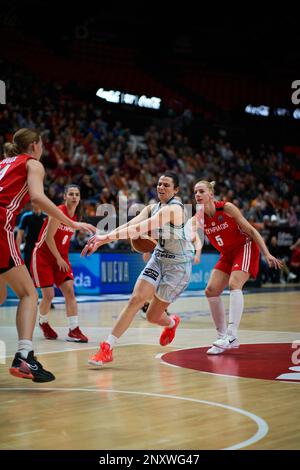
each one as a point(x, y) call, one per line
point(30, 368)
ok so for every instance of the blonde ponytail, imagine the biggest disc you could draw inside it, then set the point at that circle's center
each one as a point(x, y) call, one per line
point(10, 150)
point(21, 141)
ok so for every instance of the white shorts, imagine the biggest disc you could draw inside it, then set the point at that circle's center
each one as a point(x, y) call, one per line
point(169, 279)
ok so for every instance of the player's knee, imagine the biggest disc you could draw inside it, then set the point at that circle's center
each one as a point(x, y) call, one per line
point(69, 293)
point(137, 300)
point(234, 285)
point(29, 292)
point(3, 295)
point(48, 296)
point(210, 291)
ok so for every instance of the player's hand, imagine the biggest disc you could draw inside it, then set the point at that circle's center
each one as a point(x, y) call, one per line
point(273, 262)
point(94, 243)
point(146, 257)
point(196, 259)
point(84, 226)
point(63, 265)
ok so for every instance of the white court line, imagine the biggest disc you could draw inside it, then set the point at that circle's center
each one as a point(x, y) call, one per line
point(261, 432)
point(41, 353)
point(135, 343)
point(17, 434)
point(272, 302)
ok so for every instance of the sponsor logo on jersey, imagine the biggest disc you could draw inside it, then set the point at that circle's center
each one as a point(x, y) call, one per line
point(65, 228)
point(217, 228)
point(152, 273)
point(164, 254)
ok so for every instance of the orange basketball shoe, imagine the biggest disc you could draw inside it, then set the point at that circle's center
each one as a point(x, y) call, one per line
point(102, 356)
point(168, 334)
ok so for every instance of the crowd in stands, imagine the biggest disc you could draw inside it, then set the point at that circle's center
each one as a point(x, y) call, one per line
point(110, 162)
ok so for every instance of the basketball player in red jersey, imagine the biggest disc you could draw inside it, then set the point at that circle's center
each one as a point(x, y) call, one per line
point(50, 265)
point(239, 244)
point(21, 179)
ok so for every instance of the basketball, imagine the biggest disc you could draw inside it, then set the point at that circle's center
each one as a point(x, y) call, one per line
point(143, 244)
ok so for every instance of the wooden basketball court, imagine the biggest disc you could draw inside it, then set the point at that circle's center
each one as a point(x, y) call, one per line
point(151, 397)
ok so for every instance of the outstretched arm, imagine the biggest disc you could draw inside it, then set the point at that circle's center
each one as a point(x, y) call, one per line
point(35, 181)
point(235, 213)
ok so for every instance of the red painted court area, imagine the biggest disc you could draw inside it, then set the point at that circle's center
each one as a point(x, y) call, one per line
point(257, 361)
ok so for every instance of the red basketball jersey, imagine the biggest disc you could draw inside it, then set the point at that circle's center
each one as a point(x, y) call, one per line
point(62, 236)
point(222, 230)
point(13, 188)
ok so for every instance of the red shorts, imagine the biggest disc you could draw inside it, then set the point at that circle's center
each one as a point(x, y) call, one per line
point(243, 258)
point(9, 252)
point(45, 272)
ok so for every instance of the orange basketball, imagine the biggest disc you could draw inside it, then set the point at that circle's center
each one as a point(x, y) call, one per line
point(143, 244)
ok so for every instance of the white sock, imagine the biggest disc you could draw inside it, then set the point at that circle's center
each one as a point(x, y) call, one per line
point(44, 318)
point(24, 347)
point(73, 322)
point(111, 340)
point(218, 313)
point(236, 307)
point(172, 323)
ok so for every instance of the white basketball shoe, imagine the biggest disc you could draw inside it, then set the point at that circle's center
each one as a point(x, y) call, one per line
point(227, 342)
point(214, 350)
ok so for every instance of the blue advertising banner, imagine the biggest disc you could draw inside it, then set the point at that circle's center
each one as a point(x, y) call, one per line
point(86, 274)
point(119, 272)
point(116, 273)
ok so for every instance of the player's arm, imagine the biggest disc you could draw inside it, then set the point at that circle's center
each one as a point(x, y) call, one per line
point(52, 227)
point(247, 228)
point(198, 248)
point(193, 226)
point(162, 217)
point(19, 237)
point(35, 181)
